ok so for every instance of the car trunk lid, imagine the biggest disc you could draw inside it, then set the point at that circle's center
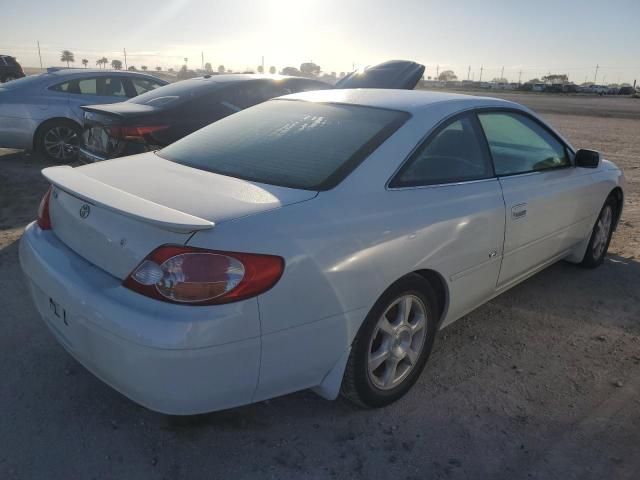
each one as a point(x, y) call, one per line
point(115, 213)
point(103, 130)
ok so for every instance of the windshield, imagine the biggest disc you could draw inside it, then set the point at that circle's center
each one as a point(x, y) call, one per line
point(295, 144)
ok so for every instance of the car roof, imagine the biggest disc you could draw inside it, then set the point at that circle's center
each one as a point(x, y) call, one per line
point(405, 100)
point(243, 77)
point(63, 72)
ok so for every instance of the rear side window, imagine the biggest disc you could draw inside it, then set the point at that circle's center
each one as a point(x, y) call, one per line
point(519, 144)
point(453, 154)
point(293, 144)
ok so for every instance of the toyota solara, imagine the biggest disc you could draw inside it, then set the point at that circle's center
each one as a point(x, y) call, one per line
point(318, 240)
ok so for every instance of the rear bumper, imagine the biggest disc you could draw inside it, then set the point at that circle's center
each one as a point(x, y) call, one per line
point(183, 360)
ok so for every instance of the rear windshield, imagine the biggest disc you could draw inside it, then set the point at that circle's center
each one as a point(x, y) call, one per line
point(174, 93)
point(295, 144)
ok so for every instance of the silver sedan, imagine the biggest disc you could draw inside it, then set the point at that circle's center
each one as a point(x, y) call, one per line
point(42, 112)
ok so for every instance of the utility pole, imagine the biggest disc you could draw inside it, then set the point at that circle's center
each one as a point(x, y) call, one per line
point(39, 54)
point(519, 77)
point(596, 75)
point(481, 68)
point(262, 64)
point(125, 58)
point(502, 73)
point(469, 73)
point(202, 55)
point(437, 71)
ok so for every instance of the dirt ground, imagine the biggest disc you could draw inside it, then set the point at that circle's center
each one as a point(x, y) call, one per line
point(543, 382)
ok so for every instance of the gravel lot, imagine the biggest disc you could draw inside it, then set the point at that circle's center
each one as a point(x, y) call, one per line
point(542, 382)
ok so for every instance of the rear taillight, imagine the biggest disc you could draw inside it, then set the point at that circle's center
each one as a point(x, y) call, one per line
point(136, 134)
point(44, 221)
point(203, 277)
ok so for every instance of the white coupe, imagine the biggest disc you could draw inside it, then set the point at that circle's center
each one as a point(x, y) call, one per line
point(318, 240)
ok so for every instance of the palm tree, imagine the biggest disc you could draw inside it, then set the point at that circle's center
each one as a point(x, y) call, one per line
point(99, 62)
point(85, 62)
point(67, 56)
point(143, 67)
point(104, 61)
point(159, 69)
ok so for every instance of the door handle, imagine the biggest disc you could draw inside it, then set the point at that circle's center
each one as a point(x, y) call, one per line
point(519, 211)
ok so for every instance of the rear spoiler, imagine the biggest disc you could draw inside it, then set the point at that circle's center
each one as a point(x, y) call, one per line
point(100, 194)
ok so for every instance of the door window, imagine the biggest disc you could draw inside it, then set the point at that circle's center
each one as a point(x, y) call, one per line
point(85, 86)
point(111, 87)
point(519, 144)
point(143, 85)
point(453, 154)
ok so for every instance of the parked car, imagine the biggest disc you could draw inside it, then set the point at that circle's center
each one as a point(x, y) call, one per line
point(597, 89)
point(158, 118)
point(10, 69)
point(319, 240)
point(554, 88)
point(626, 90)
point(42, 112)
point(570, 88)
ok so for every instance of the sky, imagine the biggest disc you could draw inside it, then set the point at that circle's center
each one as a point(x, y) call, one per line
point(535, 37)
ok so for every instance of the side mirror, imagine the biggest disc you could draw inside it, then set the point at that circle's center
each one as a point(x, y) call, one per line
point(587, 159)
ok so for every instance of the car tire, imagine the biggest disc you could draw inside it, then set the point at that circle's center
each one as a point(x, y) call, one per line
point(374, 378)
point(8, 78)
point(600, 235)
point(58, 139)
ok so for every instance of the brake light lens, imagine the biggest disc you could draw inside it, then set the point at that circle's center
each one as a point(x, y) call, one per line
point(197, 276)
point(44, 221)
point(134, 133)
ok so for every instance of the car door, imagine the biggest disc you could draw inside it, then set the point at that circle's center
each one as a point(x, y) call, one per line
point(448, 184)
point(546, 197)
point(94, 91)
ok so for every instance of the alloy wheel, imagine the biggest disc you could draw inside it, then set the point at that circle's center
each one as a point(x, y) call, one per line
point(603, 228)
point(60, 143)
point(397, 342)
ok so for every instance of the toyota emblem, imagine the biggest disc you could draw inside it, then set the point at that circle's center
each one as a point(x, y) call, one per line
point(85, 210)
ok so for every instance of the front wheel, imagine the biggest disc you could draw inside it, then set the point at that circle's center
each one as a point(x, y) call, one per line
point(393, 344)
point(600, 235)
